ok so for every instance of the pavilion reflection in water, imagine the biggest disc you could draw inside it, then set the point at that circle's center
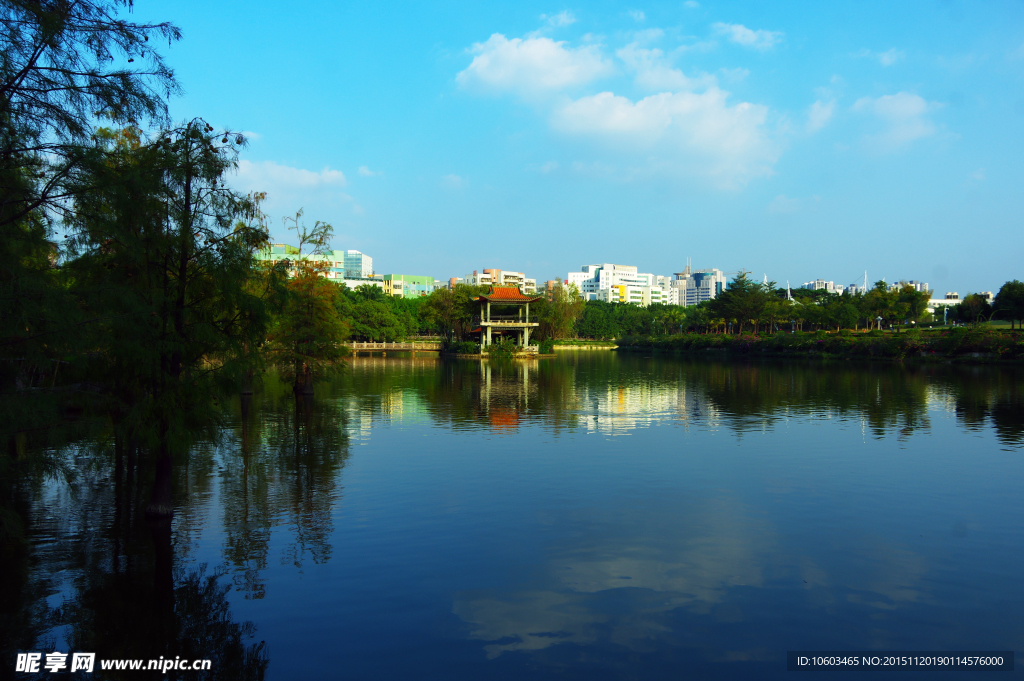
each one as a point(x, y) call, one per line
point(616, 394)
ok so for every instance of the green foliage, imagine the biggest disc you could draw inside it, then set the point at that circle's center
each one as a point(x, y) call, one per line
point(503, 349)
point(744, 301)
point(973, 310)
point(161, 266)
point(462, 347)
point(874, 344)
point(372, 315)
point(313, 239)
point(1009, 302)
point(598, 321)
point(306, 340)
point(546, 347)
point(371, 292)
point(61, 65)
point(450, 311)
point(376, 321)
point(558, 312)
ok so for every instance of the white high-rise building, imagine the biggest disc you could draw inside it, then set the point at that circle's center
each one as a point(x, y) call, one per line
point(918, 285)
point(821, 284)
point(496, 277)
point(691, 287)
point(619, 284)
point(594, 278)
point(623, 284)
point(357, 265)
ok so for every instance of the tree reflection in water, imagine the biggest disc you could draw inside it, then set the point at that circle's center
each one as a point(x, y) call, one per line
point(120, 584)
point(133, 588)
point(631, 390)
point(282, 466)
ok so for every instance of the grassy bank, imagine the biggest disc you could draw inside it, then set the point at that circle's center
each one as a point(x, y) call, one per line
point(976, 345)
point(571, 343)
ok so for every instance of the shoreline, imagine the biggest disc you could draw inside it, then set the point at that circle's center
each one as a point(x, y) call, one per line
point(968, 346)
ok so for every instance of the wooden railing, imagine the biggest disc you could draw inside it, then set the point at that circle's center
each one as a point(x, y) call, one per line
point(384, 347)
point(507, 319)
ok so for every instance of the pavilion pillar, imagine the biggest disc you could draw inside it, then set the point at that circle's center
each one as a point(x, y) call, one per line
point(488, 344)
point(526, 336)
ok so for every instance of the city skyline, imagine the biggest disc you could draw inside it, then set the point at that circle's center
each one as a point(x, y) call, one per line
point(798, 140)
point(863, 284)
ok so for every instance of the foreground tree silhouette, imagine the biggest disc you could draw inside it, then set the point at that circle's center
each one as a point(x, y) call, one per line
point(62, 65)
point(57, 71)
point(164, 257)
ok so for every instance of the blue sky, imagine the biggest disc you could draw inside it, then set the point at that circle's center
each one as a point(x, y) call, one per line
point(801, 140)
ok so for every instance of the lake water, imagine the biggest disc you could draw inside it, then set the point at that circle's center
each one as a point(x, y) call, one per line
point(594, 516)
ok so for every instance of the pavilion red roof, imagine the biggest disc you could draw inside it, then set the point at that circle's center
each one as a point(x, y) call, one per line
point(507, 294)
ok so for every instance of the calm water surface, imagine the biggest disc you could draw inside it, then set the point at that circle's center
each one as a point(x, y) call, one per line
point(595, 516)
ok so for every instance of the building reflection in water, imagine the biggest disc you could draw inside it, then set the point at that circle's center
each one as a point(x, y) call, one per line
point(270, 489)
point(615, 395)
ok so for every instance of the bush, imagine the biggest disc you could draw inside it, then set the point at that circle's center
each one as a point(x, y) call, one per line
point(957, 342)
point(463, 347)
point(504, 349)
point(546, 347)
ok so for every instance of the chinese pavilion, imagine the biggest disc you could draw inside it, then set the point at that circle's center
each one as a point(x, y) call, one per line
point(506, 323)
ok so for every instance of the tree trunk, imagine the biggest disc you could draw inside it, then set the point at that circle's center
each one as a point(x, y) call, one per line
point(304, 381)
point(160, 503)
point(163, 564)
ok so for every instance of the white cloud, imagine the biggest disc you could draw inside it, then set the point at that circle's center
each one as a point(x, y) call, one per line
point(903, 115)
point(543, 168)
point(453, 182)
point(687, 128)
point(691, 4)
point(592, 169)
point(267, 175)
point(784, 205)
point(819, 114)
point(691, 132)
point(637, 15)
point(563, 18)
point(366, 172)
point(531, 66)
point(654, 72)
point(647, 35)
point(289, 189)
point(887, 58)
point(979, 175)
point(741, 35)
point(250, 135)
point(735, 75)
